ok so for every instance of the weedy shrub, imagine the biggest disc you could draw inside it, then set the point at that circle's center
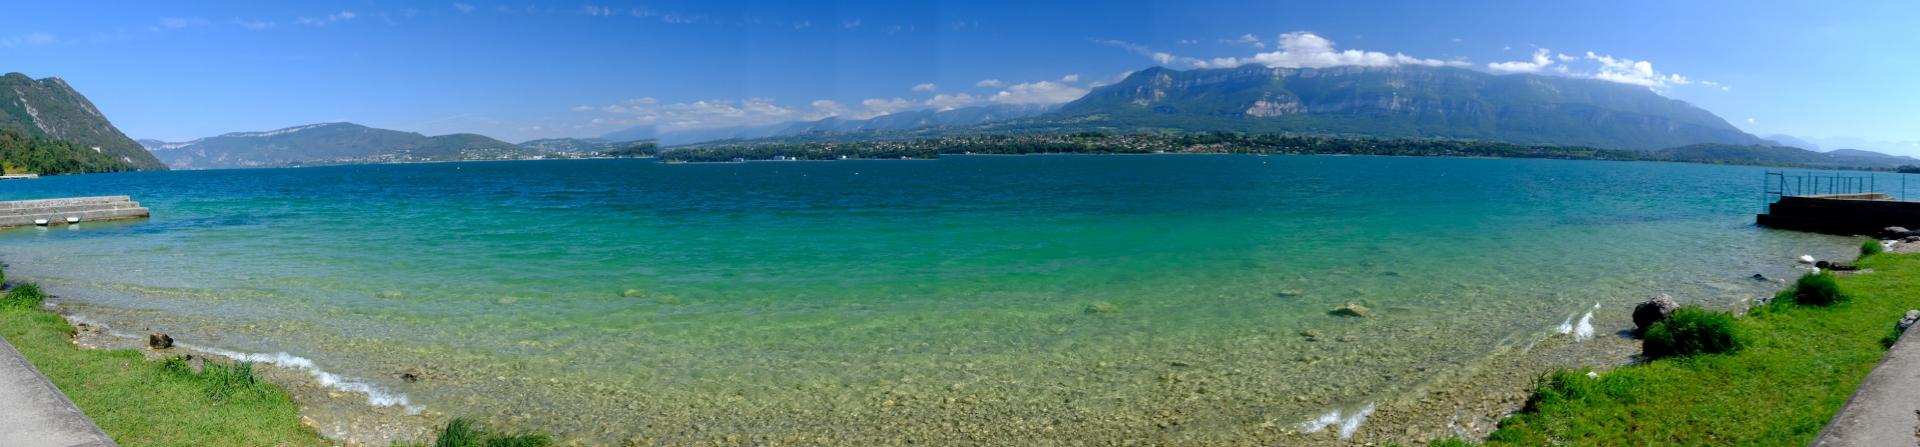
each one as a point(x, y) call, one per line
point(1817, 289)
point(1691, 331)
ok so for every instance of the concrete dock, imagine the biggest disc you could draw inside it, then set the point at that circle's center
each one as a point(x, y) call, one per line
point(34, 413)
point(57, 211)
point(1842, 214)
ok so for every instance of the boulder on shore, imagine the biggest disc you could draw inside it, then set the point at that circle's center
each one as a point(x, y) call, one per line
point(1351, 309)
point(1913, 316)
point(1897, 232)
point(159, 341)
point(1653, 311)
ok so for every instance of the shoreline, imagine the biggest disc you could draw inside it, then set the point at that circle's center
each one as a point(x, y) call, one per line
point(372, 417)
point(1467, 403)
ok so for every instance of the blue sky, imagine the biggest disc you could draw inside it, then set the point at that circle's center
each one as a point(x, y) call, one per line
point(182, 70)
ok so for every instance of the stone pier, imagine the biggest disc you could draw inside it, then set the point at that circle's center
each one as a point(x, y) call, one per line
point(57, 211)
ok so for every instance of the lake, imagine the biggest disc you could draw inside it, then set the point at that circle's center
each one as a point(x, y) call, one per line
point(1177, 299)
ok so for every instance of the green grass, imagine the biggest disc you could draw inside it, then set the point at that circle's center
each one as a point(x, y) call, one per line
point(1817, 289)
point(152, 403)
point(1692, 330)
point(1799, 365)
point(1871, 247)
point(463, 432)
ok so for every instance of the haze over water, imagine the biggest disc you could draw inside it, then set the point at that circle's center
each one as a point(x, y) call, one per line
point(1005, 300)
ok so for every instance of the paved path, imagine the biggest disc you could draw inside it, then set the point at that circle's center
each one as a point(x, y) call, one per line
point(33, 413)
point(1885, 410)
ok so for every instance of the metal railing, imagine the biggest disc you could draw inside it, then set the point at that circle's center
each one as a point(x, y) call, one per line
point(1778, 184)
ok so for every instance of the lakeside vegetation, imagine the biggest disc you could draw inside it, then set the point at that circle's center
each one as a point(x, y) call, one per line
point(170, 402)
point(145, 403)
point(21, 154)
point(808, 148)
point(1798, 359)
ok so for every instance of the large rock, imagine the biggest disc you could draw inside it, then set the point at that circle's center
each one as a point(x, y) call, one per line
point(1652, 311)
point(1897, 232)
point(1913, 316)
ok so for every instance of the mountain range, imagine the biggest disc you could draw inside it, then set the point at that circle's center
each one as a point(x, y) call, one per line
point(1399, 102)
point(327, 143)
point(1351, 101)
point(57, 130)
point(897, 121)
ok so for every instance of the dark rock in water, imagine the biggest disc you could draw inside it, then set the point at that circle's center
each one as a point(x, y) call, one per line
point(1913, 316)
point(1352, 309)
point(1311, 335)
point(1823, 265)
point(1180, 364)
point(1835, 266)
point(1896, 232)
point(1652, 311)
point(1289, 293)
point(159, 341)
point(409, 377)
point(1759, 277)
point(1910, 239)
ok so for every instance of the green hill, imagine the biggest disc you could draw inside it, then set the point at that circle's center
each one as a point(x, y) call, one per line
point(329, 143)
point(53, 129)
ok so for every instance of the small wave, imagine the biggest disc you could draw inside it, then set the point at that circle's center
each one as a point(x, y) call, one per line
point(1584, 330)
point(375, 395)
point(1566, 327)
point(1348, 424)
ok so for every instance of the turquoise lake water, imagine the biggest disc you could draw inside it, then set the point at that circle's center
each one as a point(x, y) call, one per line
point(997, 300)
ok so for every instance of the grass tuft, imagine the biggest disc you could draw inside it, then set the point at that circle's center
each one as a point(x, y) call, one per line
point(1871, 247)
point(464, 432)
point(1817, 289)
point(24, 296)
point(1691, 331)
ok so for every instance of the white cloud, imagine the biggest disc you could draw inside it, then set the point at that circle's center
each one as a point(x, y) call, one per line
point(873, 107)
point(1246, 39)
point(463, 7)
point(253, 25)
point(1298, 49)
point(328, 20)
point(944, 102)
point(1629, 71)
point(168, 23)
point(926, 87)
point(598, 11)
point(1301, 49)
point(1042, 92)
point(1541, 59)
point(1070, 78)
point(990, 83)
point(850, 24)
point(27, 40)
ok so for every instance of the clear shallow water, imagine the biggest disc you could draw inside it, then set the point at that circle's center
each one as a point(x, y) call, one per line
point(883, 301)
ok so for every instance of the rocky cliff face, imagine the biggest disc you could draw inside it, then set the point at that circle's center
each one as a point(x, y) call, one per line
point(50, 109)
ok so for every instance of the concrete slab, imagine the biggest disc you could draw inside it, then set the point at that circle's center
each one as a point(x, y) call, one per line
point(1885, 410)
point(34, 413)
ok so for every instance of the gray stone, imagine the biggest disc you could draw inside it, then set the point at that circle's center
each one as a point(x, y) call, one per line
point(1913, 316)
point(1653, 311)
point(1352, 309)
point(1896, 231)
